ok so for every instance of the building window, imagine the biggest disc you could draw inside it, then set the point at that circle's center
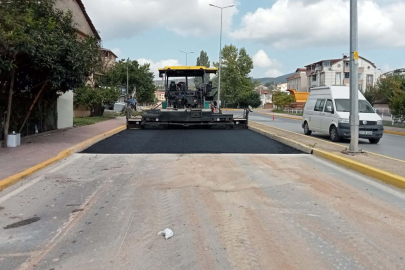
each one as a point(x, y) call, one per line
point(326, 64)
point(314, 78)
point(369, 79)
point(323, 79)
point(360, 87)
point(360, 76)
point(347, 64)
point(347, 75)
point(338, 80)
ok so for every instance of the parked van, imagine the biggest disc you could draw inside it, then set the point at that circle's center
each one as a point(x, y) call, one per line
point(327, 111)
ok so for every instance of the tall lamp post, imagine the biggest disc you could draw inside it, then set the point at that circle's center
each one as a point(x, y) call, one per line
point(220, 54)
point(186, 55)
point(354, 64)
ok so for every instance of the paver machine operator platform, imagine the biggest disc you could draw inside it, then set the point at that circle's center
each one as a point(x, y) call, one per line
point(186, 107)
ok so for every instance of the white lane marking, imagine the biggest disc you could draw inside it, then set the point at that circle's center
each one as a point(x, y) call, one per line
point(36, 180)
point(365, 179)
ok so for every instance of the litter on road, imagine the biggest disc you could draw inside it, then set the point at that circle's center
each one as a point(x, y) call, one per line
point(167, 233)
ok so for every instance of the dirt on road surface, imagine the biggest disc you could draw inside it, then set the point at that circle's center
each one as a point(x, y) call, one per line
point(227, 211)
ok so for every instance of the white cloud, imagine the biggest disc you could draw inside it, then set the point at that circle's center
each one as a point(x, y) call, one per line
point(261, 59)
point(273, 73)
point(117, 51)
point(303, 23)
point(161, 64)
point(123, 18)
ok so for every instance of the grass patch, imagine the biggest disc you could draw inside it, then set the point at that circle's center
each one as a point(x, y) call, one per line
point(84, 121)
point(281, 111)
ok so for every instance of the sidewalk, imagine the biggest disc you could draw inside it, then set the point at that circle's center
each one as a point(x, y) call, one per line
point(298, 117)
point(36, 149)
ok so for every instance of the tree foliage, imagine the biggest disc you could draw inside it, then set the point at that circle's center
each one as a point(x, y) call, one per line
point(236, 84)
point(139, 77)
point(91, 98)
point(282, 99)
point(204, 61)
point(391, 89)
point(41, 44)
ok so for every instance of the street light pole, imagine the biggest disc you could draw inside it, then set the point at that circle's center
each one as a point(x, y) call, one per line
point(220, 55)
point(127, 80)
point(354, 56)
point(186, 55)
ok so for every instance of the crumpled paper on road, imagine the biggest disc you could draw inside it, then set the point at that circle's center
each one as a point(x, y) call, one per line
point(167, 233)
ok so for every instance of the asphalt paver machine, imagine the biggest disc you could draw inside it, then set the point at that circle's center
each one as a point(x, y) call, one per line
point(187, 107)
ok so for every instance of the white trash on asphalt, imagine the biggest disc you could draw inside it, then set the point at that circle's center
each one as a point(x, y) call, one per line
point(167, 233)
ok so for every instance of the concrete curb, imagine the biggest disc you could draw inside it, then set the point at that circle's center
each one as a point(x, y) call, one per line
point(296, 118)
point(291, 143)
point(386, 177)
point(395, 132)
point(11, 180)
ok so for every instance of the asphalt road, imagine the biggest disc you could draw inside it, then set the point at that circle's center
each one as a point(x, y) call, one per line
point(188, 141)
point(227, 211)
point(390, 145)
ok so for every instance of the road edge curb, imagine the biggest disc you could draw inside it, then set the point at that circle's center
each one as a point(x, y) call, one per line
point(386, 177)
point(383, 176)
point(15, 178)
point(291, 143)
point(394, 132)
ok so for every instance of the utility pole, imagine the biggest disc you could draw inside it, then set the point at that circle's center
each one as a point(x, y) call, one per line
point(127, 79)
point(354, 63)
point(220, 55)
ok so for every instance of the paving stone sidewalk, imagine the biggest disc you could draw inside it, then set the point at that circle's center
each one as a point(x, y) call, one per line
point(38, 148)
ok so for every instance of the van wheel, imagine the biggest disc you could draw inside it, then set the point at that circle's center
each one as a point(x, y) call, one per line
point(374, 141)
point(333, 134)
point(306, 129)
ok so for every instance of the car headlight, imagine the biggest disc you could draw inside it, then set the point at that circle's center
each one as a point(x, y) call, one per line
point(379, 122)
point(344, 120)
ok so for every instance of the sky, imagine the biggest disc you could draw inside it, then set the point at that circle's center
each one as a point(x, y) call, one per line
point(279, 35)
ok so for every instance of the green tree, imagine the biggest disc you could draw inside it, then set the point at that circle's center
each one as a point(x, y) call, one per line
point(139, 77)
point(282, 99)
point(204, 61)
point(40, 55)
point(236, 84)
point(92, 98)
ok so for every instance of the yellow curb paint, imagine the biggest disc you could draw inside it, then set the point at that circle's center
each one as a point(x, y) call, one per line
point(326, 141)
point(394, 132)
point(386, 177)
point(11, 180)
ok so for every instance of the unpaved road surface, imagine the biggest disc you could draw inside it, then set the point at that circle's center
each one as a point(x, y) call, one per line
point(227, 211)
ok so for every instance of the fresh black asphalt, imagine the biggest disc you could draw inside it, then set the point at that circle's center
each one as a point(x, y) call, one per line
point(189, 141)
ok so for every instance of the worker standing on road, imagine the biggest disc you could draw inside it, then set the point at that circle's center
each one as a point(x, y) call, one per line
point(133, 103)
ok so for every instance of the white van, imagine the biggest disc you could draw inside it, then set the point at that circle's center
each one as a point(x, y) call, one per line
point(327, 111)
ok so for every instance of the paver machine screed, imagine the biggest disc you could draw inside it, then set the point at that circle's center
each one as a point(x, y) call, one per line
point(186, 107)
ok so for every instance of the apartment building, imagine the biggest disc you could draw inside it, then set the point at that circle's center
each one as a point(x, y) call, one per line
point(298, 80)
point(337, 72)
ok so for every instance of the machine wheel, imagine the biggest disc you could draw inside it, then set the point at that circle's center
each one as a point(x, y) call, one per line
point(306, 129)
point(374, 141)
point(333, 134)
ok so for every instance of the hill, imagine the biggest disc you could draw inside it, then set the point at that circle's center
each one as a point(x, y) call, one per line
point(280, 79)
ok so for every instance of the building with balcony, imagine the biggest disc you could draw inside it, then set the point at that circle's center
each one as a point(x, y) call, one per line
point(298, 80)
point(337, 72)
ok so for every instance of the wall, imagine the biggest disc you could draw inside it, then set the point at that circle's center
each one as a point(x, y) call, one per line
point(65, 110)
point(78, 16)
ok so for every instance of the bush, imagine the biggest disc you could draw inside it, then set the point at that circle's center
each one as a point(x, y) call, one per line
point(91, 98)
